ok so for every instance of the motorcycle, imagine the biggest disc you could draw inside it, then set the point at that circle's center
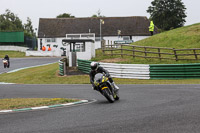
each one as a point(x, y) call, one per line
point(5, 63)
point(104, 86)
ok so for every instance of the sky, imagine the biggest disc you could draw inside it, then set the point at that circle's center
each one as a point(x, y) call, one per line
point(35, 9)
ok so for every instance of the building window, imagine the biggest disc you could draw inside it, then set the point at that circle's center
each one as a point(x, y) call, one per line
point(50, 39)
point(126, 37)
point(53, 39)
point(77, 47)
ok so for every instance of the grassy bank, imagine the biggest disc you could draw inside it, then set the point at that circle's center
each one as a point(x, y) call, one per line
point(12, 54)
point(180, 38)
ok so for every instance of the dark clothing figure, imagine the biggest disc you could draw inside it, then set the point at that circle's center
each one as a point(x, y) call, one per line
point(151, 33)
point(7, 58)
point(99, 70)
point(95, 68)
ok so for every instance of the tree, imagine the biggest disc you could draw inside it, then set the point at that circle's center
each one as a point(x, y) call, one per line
point(98, 14)
point(28, 28)
point(65, 15)
point(167, 14)
point(10, 22)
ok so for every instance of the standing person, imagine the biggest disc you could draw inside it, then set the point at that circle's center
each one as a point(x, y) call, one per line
point(95, 68)
point(151, 28)
point(7, 58)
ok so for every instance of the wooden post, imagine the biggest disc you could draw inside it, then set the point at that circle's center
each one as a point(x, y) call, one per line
point(121, 51)
point(176, 57)
point(111, 49)
point(195, 55)
point(103, 47)
point(133, 52)
point(145, 51)
point(159, 55)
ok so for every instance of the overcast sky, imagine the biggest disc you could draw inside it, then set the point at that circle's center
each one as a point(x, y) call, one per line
point(36, 9)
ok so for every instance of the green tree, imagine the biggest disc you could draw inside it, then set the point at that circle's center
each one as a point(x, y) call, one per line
point(65, 15)
point(167, 14)
point(28, 28)
point(10, 22)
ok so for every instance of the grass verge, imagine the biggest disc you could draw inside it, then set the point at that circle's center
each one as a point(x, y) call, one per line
point(12, 54)
point(19, 103)
point(49, 75)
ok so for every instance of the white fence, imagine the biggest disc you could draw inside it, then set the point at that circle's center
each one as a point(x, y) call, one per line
point(134, 71)
point(13, 48)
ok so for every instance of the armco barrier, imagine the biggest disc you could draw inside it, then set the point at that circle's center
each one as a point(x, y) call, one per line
point(61, 68)
point(84, 65)
point(119, 70)
point(134, 71)
point(141, 71)
point(175, 71)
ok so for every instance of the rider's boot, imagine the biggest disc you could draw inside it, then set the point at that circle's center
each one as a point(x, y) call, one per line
point(115, 87)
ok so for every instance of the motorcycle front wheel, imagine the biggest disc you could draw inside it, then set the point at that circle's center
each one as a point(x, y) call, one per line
point(107, 93)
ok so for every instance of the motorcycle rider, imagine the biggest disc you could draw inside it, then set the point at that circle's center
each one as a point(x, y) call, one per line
point(7, 58)
point(95, 68)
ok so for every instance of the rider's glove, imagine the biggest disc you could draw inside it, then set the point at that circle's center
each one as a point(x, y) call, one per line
point(107, 75)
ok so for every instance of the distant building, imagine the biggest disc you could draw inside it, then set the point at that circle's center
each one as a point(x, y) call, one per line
point(52, 31)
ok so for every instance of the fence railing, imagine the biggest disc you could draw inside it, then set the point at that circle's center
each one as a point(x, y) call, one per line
point(151, 52)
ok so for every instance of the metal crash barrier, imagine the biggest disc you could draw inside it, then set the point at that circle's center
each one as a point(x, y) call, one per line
point(63, 66)
point(146, 71)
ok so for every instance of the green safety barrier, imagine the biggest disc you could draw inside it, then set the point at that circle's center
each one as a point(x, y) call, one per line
point(175, 71)
point(84, 65)
point(61, 68)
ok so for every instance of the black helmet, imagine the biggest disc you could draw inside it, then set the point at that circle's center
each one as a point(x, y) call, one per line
point(94, 65)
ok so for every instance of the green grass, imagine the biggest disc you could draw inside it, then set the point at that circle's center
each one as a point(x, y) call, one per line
point(12, 54)
point(184, 37)
point(19, 103)
point(180, 38)
point(49, 75)
point(42, 75)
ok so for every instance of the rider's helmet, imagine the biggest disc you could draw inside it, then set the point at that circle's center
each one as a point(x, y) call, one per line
point(94, 65)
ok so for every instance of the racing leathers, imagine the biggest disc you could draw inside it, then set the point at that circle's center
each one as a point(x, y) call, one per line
point(101, 70)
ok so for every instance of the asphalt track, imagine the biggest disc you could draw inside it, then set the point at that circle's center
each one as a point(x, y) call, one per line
point(17, 63)
point(141, 109)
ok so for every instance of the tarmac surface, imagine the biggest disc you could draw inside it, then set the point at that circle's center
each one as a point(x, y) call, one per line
point(141, 108)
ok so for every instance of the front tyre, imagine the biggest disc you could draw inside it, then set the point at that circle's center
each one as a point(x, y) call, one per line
point(108, 95)
point(116, 95)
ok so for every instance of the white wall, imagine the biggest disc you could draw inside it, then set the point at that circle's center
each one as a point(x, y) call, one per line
point(13, 48)
point(115, 38)
point(42, 53)
point(55, 50)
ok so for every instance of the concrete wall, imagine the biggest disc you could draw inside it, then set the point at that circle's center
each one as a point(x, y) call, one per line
point(116, 38)
point(42, 53)
point(13, 48)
